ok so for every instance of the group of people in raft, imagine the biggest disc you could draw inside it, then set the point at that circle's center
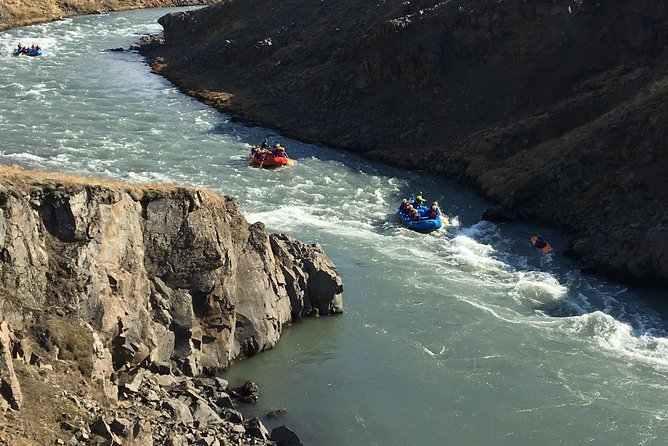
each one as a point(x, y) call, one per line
point(411, 208)
point(265, 151)
point(20, 49)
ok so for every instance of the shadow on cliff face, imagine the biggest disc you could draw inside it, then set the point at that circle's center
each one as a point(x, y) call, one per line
point(58, 219)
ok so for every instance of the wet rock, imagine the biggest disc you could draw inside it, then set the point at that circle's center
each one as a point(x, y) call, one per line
point(285, 437)
point(494, 213)
point(249, 392)
point(224, 401)
point(233, 415)
point(312, 279)
point(257, 429)
point(275, 413)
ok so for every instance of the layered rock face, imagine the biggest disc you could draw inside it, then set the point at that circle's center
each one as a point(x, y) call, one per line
point(109, 278)
point(554, 109)
point(15, 13)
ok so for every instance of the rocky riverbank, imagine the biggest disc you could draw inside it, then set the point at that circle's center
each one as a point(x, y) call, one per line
point(554, 109)
point(15, 13)
point(116, 300)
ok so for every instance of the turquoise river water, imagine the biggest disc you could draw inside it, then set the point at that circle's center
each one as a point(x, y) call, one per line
point(459, 337)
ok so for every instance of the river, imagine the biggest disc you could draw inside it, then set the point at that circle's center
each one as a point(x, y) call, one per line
point(461, 337)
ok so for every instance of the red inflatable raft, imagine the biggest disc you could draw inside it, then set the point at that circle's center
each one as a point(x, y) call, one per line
point(270, 161)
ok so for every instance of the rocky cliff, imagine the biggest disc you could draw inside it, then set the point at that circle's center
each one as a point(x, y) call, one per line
point(118, 287)
point(15, 13)
point(554, 109)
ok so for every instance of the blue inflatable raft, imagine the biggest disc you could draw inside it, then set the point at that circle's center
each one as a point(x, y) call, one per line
point(423, 224)
point(28, 52)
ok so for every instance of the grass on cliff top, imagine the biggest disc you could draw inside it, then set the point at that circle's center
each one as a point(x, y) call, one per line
point(11, 175)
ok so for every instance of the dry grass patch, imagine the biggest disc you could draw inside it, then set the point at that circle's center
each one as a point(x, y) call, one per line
point(12, 175)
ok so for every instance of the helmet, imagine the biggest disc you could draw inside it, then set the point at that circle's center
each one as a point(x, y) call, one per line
point(404, 201)
point(435, 203)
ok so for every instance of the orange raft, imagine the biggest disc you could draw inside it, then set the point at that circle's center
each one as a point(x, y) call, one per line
point(270, 161)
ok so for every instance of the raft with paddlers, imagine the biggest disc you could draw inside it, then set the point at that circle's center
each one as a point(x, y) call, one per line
point(270, 161)
point(264, 156)
point(415, 215)
point(32, 51)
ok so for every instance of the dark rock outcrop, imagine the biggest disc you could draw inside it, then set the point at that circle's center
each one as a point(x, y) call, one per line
point(554, 109)
point(111, 283)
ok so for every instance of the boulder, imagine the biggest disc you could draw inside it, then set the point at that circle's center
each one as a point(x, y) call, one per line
point(256, 429)
point(249, 392)
point(285, 437)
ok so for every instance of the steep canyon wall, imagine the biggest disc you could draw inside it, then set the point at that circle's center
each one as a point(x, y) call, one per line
point(100, 279)
point(553, 109)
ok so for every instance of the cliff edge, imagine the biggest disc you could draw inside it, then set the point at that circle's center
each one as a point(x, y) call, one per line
point(554, 109)
point(107, 289)
point(17, 13)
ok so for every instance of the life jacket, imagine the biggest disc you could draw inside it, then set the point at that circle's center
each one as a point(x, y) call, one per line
point(539, 243)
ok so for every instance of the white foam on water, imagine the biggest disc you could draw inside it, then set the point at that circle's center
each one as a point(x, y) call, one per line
point(15, 86)
point(620, 339)
point(287, 218)
point(530, 288)
point(453, 221)
point(26, 157)
point(537, 286)
point(474, 256)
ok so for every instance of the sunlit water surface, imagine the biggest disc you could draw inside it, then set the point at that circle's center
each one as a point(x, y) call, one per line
point(461, 337)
